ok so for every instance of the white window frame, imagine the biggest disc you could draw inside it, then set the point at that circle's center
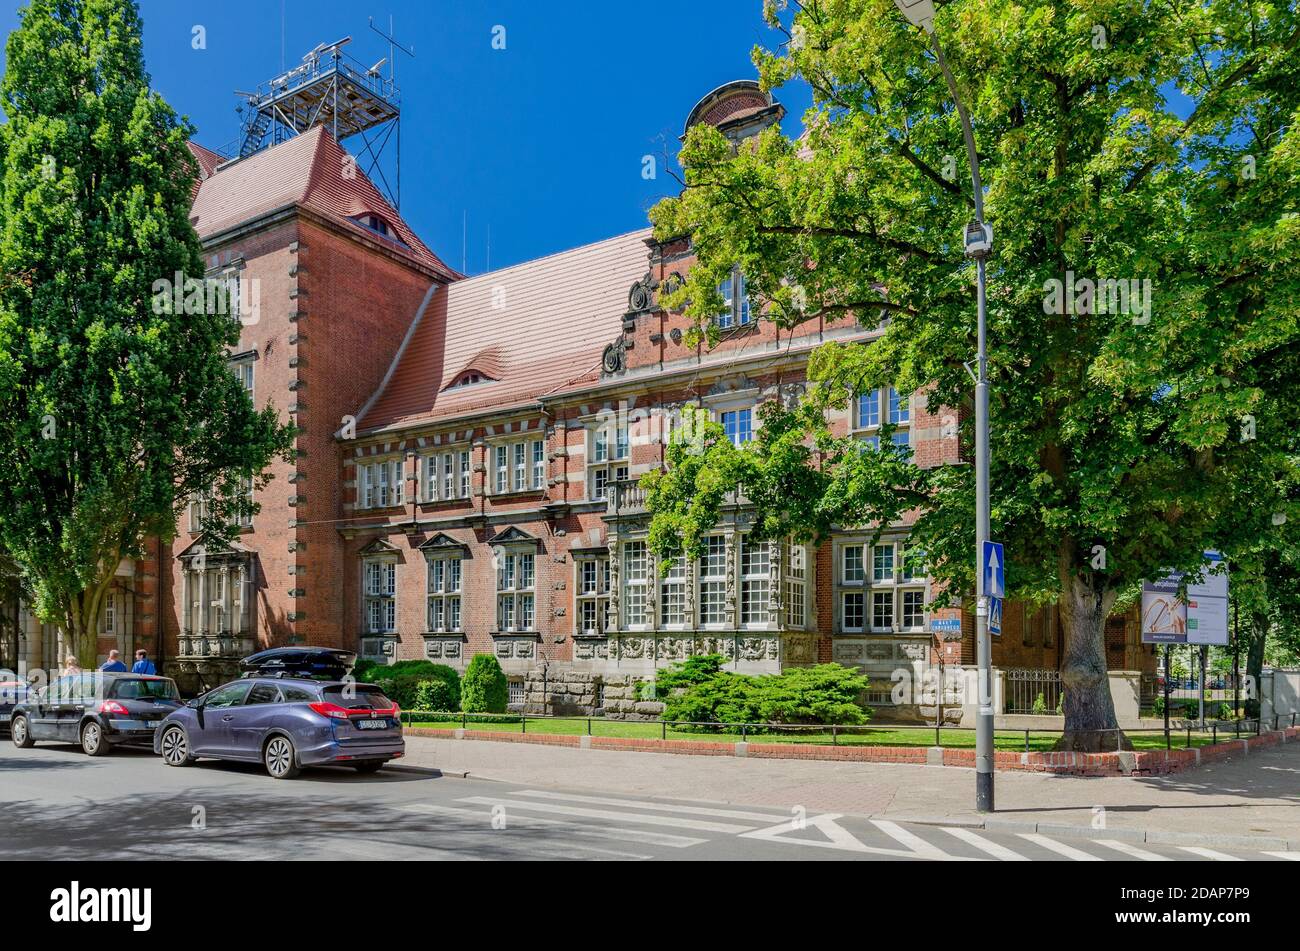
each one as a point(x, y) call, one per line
point(673, 589)
point(381, 483)
point(591, 593)
point(892, 407)
point(444, 584)
point(711, 571)
point(379, 594)
point(749, 414)
point(636, 581)
point(514, 468)
point(885, 573)
point(516, 591)
point(755, 584)
point(737, 307)
point(607, 463)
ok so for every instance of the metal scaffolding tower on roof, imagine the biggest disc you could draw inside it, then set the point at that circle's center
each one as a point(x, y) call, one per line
point(333, 90)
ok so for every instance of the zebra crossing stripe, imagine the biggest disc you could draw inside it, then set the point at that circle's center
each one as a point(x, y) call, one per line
point(1290, 856)
point(1133, 851)
point(911, 841)
point(984, 845)
point(1060, 848)
point(764, 817)
point(696, 825)
point(1210, 853)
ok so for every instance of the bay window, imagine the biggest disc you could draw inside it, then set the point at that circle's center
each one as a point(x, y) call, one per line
point(593, 593)
point(636, 576)
point(755, 582)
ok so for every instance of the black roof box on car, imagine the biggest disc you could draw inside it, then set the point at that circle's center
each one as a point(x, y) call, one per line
point(317, 663)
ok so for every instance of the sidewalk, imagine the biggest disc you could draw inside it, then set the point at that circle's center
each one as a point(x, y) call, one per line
point(1253, 797)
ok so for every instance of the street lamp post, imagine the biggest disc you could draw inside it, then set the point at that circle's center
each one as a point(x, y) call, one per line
point(978, 242)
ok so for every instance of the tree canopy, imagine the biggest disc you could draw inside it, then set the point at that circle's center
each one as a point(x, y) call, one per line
point(1148, 152)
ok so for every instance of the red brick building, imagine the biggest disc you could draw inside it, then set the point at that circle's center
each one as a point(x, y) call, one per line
point(466, 468)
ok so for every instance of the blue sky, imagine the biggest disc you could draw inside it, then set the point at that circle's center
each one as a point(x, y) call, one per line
point(542, 142)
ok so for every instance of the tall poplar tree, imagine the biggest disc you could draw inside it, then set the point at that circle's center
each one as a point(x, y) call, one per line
point(115, 407)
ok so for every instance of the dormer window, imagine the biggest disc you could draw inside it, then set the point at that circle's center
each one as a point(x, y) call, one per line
point(467, 379)
point(374, 223)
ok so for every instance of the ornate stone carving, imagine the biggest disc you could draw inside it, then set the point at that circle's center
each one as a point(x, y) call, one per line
point(614, 358)
point(632, 648)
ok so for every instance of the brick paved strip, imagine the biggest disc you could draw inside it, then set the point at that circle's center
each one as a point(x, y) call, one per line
point(1153, 763)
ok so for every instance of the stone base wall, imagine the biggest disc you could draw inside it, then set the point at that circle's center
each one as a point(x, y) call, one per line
point(565, 692)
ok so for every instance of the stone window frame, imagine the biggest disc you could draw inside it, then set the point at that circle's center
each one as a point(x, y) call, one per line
point(509, 568)
point(719, 579)
point(760, 581)
point(796, 586)
point(433, 484)
point(381, 493)
point(738, 305)
point(641, 584)
point(450, 562)
point(382, 595)
point(676, 585)
point(892, 408)
point(519, 454)
point(612, 465)
point(598, 597)
point(905, 577)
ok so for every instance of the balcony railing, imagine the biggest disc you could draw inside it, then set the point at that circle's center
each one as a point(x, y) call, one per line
point(626, 498)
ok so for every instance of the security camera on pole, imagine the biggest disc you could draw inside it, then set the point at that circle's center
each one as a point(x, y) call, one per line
point(978, 242)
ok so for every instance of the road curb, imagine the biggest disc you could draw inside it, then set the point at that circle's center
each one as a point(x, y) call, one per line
point(429, 771)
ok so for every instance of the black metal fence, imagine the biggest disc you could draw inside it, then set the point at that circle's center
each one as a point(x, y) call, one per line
point(949, 737)
point(1031, 690)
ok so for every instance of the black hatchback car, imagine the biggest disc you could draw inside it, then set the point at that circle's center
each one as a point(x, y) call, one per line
point(97, 710)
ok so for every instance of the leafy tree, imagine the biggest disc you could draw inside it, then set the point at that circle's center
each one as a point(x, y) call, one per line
point(115, 405)
point(484, 688)
point(1119, 141)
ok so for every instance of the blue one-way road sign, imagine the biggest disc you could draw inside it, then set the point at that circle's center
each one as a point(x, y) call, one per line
point(995, 585)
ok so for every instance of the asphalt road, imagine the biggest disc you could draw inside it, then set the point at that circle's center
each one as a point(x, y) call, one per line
point(57, 803)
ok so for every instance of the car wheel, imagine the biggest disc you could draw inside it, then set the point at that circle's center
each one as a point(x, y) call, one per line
point(20, 734)
point(175, 748)
point(373, 766)
point(93, 742)
point(278, 756)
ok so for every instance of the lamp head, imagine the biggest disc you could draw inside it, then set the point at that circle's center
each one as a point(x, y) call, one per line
point(918, 12)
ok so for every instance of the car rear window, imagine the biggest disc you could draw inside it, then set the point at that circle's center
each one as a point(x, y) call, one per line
point(363, 698)
point(161, 689)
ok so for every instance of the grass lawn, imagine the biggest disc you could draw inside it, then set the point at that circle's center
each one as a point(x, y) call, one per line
point(845, 736)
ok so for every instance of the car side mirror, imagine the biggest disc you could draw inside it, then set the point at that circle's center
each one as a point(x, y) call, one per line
point(196, 703)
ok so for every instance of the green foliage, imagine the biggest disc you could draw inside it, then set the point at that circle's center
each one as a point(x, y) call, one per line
point(113, 411)
point(1040, 705)
point(439, 693)
point(484, 688)
point(1107, 431)
point(421, 686)
point(1224, 712)
point(699, 691)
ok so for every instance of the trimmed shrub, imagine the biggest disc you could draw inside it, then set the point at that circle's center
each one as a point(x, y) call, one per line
point(484, 688)
point(698, 691)
point(442, 685)
point(441, 692)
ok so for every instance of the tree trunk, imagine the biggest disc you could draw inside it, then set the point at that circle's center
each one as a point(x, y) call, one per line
point(1259, 623)
point(1090, 723)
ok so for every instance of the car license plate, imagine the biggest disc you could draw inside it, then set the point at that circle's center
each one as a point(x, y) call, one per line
point(4, 718)
point(135, 724)
point(372, 724)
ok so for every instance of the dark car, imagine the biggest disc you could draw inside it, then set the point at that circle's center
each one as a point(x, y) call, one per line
point(285, 723)
point(12, 693)
point(98, 710)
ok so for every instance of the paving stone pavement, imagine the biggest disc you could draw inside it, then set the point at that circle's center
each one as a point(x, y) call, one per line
point(1255, 797)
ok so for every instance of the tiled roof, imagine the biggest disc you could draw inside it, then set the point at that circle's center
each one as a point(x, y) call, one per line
point(540, 326)
point(310, 171)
